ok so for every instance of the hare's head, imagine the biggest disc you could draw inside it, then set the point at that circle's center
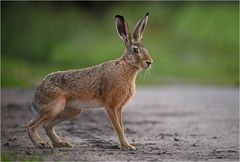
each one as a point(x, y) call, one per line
point(135, 53)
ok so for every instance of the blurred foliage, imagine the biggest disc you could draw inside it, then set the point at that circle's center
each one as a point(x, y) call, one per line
point(190, 42)
point(7, 156)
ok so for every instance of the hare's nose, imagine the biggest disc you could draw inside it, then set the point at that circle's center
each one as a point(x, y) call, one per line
point(148, 63)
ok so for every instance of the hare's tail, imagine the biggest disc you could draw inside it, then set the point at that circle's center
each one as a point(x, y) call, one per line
point(35, 111)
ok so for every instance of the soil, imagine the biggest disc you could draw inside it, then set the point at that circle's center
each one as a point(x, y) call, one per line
point(163, 123)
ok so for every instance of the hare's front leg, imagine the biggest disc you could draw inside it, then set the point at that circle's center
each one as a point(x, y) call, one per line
point(67, 114)
point(113, 115)
point(119, 114)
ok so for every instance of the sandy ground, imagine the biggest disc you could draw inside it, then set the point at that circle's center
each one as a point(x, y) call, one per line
point(163, 123)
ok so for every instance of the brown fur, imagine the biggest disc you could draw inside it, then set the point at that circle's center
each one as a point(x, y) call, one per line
point(111, 84)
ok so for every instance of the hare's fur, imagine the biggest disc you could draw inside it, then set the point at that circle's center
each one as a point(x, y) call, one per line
point(64, 94)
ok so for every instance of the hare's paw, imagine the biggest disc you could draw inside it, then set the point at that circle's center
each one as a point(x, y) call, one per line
point(128, 147)
point(63, 144)
point(43, 144)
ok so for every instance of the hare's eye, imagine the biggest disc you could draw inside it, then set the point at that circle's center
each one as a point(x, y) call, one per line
point(135, 50)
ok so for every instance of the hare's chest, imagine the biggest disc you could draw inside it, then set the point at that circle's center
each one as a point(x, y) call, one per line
point(86, 104)
point(125, 93)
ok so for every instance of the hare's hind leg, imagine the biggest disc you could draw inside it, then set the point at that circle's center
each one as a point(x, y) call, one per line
point(67, 114)
point(48, 112)
point(32, 129)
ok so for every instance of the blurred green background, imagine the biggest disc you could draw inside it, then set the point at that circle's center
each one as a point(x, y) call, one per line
point(190, 42)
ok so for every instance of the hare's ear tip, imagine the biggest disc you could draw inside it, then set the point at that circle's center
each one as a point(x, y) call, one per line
point(121, 18)
point(147, 14)
point(118, 16)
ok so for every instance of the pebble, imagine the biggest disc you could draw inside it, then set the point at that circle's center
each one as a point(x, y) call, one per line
point(6, 144)
point(160, 153)
point(176, 139)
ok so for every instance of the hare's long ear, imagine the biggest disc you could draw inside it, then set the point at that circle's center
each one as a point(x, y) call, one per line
point(139, 28)
point(123, 29)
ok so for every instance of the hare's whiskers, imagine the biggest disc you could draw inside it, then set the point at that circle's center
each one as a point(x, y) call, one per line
point(144, 76)
point(150, 72)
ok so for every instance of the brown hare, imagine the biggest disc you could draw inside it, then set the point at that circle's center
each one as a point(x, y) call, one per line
point(63, 95)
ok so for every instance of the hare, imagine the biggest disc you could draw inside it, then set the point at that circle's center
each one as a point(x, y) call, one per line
point(63, 95)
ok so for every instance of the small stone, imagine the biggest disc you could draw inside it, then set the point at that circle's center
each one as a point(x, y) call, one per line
point(6, 144)
point(160, 153)
point(194, 145)
point(176, 139)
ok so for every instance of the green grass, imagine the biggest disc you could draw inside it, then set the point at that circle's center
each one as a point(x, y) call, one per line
point(17, 73)
point(191, 42)
point(11, 156)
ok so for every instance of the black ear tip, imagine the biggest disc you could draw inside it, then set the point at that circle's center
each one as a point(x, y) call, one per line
point(147, 14)
point(119, 16)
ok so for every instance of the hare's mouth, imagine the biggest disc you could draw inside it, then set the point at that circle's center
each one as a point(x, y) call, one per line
point(147, 67)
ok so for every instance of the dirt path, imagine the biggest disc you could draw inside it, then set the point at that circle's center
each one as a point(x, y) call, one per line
point(163, 123)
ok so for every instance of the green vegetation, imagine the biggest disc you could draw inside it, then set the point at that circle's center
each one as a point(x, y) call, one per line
point(190, 42)
point(12, 156)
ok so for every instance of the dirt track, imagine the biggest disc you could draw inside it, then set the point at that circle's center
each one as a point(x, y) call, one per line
point(163, 123)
